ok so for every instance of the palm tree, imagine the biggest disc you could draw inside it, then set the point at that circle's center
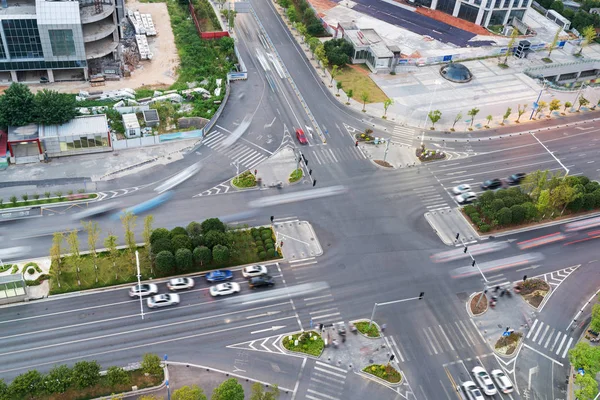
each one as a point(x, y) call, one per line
point(338, 86)
point(489, 119)
point(349, 93)
point(386, 104)
point(364, 96)
point(472, 113)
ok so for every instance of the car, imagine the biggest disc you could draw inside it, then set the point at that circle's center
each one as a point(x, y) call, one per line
point(180, 283)
point(484, 381)
point(163, 300)
point(491, 184)
point(145, 289)
point(301, 136)
point(460, 189)
point(471, 390)
point(465, 198)
point(254, 270)
point(219, 275)
point(223, 289)
point(504, 384)
point(515, 179)
point(261, 281)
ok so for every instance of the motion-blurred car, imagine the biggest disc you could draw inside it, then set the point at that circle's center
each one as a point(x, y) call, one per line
point(145, 289)
point(466, 198)
point(460, 189)
point(301, 136)
point(515, 179)
point(472, 391)
point(219, 275)
point(261, 281)
point(491, 184)
point(224, 289)
point(504, 384)
point(254, 270)
point(163, 300)
point(96, 210)
point(484, 381)
point(180, 283)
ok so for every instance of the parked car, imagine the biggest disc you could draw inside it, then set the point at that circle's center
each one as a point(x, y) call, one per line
point(224, 289)
point(484, 381)
point(491, 184)
point(301, 136)
point(163, 300)
point(515, 179)
point(466, 198)
point(504, 384)
point(472, 391)
point(254, 270)
point(145, 289)
point(261, 281)
point(180, 283)
point(219, 275)
point(460, 189)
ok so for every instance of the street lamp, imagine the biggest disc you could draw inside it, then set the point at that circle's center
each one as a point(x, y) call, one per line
point(538, 98)
point(392, 302)
point(137, 262)
point(474, 264)
point(437, 83)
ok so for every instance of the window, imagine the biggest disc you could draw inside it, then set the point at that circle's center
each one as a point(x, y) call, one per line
point(497, 18)
point(468, 12)
point(2, 52)
point(517, 14)
point(446, 6)
point(515, 3)
point(22, 38)
point(98, 140)
point(62, 42)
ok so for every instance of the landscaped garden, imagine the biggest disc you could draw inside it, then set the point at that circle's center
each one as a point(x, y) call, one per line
point(541, 197)
point(309, 342)
point(198, 247)
point(48, 198)
point(244, 180)
point(385, 372)
point(296, 175)
point(508, 344)
point(367, 328)
point(533, 291)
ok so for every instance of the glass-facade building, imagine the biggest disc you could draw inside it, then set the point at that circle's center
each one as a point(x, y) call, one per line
point(481, 12)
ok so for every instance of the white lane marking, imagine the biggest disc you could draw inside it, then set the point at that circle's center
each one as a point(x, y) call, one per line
point(303, 264)
point(549, 338)
point(542, 354)
point(561, 344)
point(558, 335)
point(330, 372)
point(301, 260)
point(325, 310)
point(332, 367)
point(430, 341)
point(397, 348)
point(333, 155)
point(318, 297)
point(447, 340)
point(538, 331)
point(532, 328)
point(567, 347)
point(326, 315)
point(543, 334)
point(320, 394)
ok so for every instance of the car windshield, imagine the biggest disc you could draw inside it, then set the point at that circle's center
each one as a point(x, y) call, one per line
point(477, 393)
point(482, 374)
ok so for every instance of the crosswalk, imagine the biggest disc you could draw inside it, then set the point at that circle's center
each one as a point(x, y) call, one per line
point(248, 157)
point(403, 135)
point(328, 155)
point(432, 198)
point(326, 382)
point(549, 340)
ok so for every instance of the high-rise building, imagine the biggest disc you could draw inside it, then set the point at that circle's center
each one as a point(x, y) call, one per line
point(54, 40)
point(480, 12)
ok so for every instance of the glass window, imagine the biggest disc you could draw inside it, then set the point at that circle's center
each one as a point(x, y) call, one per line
point(468, 12)
point(62, 42)
point(520, 14)
point(98, 140)
point(77, 143)
point(84, 141)
point(70, 145)
point(22, 38)
point(497, 18)
point(446, 6)
point(105, 141)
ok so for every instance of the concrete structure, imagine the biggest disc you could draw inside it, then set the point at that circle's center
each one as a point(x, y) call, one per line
point(480, 12)
point(369, 48)
point(54, 40)
point(132, 125)
point(558, 19)
point(151, 117)
point(12, 289)
point(24, 144)
point(568, 73)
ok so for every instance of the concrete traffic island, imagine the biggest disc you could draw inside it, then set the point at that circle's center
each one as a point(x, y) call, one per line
point(507, 345)
point(279, 169)
point(478, 304)
point(533, 291)
point(297, 240)
point(307, 343)
point(389, 155)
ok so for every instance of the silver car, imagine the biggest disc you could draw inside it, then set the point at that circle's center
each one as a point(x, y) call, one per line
point(180, 283)
point(472, 391)
point(224, 289)
point(163, 300)
point(484, 380)
point(145, 289)
point(254, 270)
point(504, 384)
point(460, 189)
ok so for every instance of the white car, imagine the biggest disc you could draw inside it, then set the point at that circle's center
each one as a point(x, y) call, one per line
point(484, 381)
point(254, 270)
point(504, 384)
point(465, 198)
point(145, 289)
point(223, 289)
point(460, 189)
point(472, 391)
point(163, 300)
point(180, 283)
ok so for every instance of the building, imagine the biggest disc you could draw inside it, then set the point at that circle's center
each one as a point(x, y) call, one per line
point(81, 135)
point(480, 12)
point(369, 48)
point(132, 126)
point(54, 40)
point(558, 19)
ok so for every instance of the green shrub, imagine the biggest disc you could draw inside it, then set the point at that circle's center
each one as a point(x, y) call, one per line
point(58, 380)
point(15, 269)
point(117, 376)
point(469, 209)
point(296, 175)
point(178, 230)
point(518, 214)
point(221, 253)
point(497, 205)
point(184, 260)
point(38, 280)
point(151, 364)
point(181, 242)
point(213, 238)
point(194, 229)
point(268, 241)
point(31, 271)
point(589, 200)
point(202, 255)
point(162, 244)
point(504, 216)
point(484, 228)
point(86, 374)
point(159, 233)
point(212, 224)
point(165, 262)
point(262, 255)
point(245, 180)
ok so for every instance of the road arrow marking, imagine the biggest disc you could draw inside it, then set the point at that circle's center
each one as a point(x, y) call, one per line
point(267, 314)
point(526, 268)
point(532, 371)
point(273, 328)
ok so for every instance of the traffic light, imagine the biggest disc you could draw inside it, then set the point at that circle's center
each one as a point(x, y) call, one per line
point(457, 236)
point(272, 218)
point(524, 278)
point(310, 171)
point(314, 182)
point(465, 250)
point(392, 357)
point(305, 160)
point(421, 295)
point(473, 263)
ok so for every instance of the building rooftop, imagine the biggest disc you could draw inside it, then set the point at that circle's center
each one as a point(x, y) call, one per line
point(79, 126)
point(368, 37)
point(130, 121)
point(19, 7)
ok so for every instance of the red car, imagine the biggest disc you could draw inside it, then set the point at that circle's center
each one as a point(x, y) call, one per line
point(301, 136)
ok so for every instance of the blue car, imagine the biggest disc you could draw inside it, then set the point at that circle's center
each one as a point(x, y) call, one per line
point(219, 276)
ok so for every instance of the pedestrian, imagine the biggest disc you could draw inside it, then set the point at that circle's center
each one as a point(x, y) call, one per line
point(356, 144)
point(503, 292)
point(496, 289)
point(255, 172)
point(383, 327)
point(343, 339)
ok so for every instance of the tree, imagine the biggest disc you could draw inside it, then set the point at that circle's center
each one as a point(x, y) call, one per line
point(338, 86)
point(228, 390)
point(568, 104)
point(386, 104)
point(582, 102)
point(553, 106)
point(56, 252)
point(28, 384)
point(349, 94)
point(93, 233)
point(194, 229)
point(364, 96)
point(258, 393)
point(117, 376)
point(53, 108)
point(147, 235)
point(313, 43)
point(151, 364)
point(520, 111)
point(14, 200)
point(184, 259)
point(513, 38)
point(212, 224)
point(189, 393)
point(25, 197)
point(472, 113)
point(202, 254)
point(555, 40)
point(214, 238)
point(58, 380)
point(456, 119)
point(181, 242)
point(128, 220)
point(588, 34)
point(489, 119)
point(86, 374)
point(541, 107)
point(231, 18)
point(4, 390)
point(301, 28)
point(162, 244)
point(434, 116)
point(534, 183)
point(543, 202)
point(595, 324)
point(159, 233)
point(292, 14)
point(165, 262)
point(334, 72)
point(585, 356)
point(75, 257)
point(16, 105)
point(220, 253)
point(110, 242)
point(321, 55)
point(506, 115)
point(588, 387)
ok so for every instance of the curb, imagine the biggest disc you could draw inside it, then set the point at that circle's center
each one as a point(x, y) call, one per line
point(299, 353)
point(377, 379)
point(366, 320)
point(514, 354)
point(52, 205)
point(140, 391)
point(468, 305)
point(544, 300)
point(312, 230)
point(445, 240)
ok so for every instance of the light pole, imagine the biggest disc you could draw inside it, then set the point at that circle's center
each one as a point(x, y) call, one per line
point(437, 83)
point(387, 146)
point(392, 302)
point(236, 164)
point(578, 93)
point(474, 264)
point(137, 262)
point(538, 100)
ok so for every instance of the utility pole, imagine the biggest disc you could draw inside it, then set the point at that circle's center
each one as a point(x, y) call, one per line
point(236, 164)
point(474, 264)
point(387, 147)
point(392, 302)
point(137, 262)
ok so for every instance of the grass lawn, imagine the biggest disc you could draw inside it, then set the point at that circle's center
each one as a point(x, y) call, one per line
point(306, 344)
point(42, 200)
point(357, 78)
point(385, 372)
point(363, 327)
point(244, 180)
point(296, 175)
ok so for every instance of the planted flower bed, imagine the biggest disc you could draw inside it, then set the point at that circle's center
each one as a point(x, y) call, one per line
point(244, 180)
point(533, 291)
point(309, 342)
point(424, 154)
point(385, 372)
point(363, 327)
point(508, 344)
point(35, 200)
